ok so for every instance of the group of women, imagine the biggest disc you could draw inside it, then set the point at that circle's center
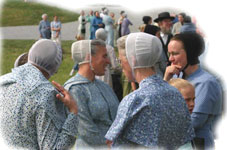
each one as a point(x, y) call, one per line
point(155, 116)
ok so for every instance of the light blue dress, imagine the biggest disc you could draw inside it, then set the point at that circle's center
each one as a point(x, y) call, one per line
point(55, 24)
point(44, 29)
point(208, 105)
point(108, 21)
point(32, 117)
point(89, 19)
point(153, 116)
point(97, 105)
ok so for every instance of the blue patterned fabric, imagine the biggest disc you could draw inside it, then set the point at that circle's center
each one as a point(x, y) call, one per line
point(154, 116)
point(44, 29)
point(208, 105)
point(97, 105)
point(31, 115)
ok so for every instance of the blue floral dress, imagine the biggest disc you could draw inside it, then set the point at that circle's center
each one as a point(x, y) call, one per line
point(153, 116)
point(31, 115)
point(97, 108)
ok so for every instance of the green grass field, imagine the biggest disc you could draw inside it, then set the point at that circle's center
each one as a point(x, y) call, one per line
point(17, 12)
point(11, 49)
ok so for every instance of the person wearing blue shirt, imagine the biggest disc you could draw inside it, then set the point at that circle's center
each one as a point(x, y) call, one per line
point(96, 23)
point(154, 116)
point(56, 30)
point(89, 19)
point(97, 103)
point(109, 27)
point(44, 28)
point(184, 50)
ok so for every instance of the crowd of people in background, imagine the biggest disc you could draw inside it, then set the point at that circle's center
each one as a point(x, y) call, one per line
point(171, 102)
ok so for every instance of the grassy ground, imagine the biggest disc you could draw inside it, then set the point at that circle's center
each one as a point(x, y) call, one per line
point(11, 49)
point(17, 12)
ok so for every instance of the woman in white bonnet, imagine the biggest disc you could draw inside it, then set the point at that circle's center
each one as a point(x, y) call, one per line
point(31, 115)
point(155, 115)
point(97, 103)
point(101, 34)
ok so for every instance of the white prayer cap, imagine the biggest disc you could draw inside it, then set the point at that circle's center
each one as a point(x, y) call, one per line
point(45, 54)
point(142, 50)
point(81, 51)
point(101, 34)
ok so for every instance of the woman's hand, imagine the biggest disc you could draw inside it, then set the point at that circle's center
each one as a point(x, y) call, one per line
point(66, 98)
point(109, 143)
point(170, 71)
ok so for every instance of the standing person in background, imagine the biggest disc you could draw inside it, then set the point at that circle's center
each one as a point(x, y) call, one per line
point(112, 15)
point(177, 26)
point(102, 12)
point(164, 21)
point(188, 26)
point(56, 30)
point(184, 50)
point(119, 22)
point(147, 20)
point(89, 19)
point(82, 25)
point(108, 21)
point(96, 24)
point(125, 25)
point(44, 28)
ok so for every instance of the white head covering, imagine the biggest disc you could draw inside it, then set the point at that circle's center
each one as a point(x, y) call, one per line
point(142, 50)
point(101, 34)
point(45, 54)
point(81, 51)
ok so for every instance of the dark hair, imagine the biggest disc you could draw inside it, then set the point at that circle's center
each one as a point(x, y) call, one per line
point(122, 12)
point(182, 14)
point(151, 29)
point(187, 19)
point(146, 19)
point(193, 44)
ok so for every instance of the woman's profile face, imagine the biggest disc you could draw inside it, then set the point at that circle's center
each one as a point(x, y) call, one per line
point(100, 61)
point(177, 54)
point(126, 67)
